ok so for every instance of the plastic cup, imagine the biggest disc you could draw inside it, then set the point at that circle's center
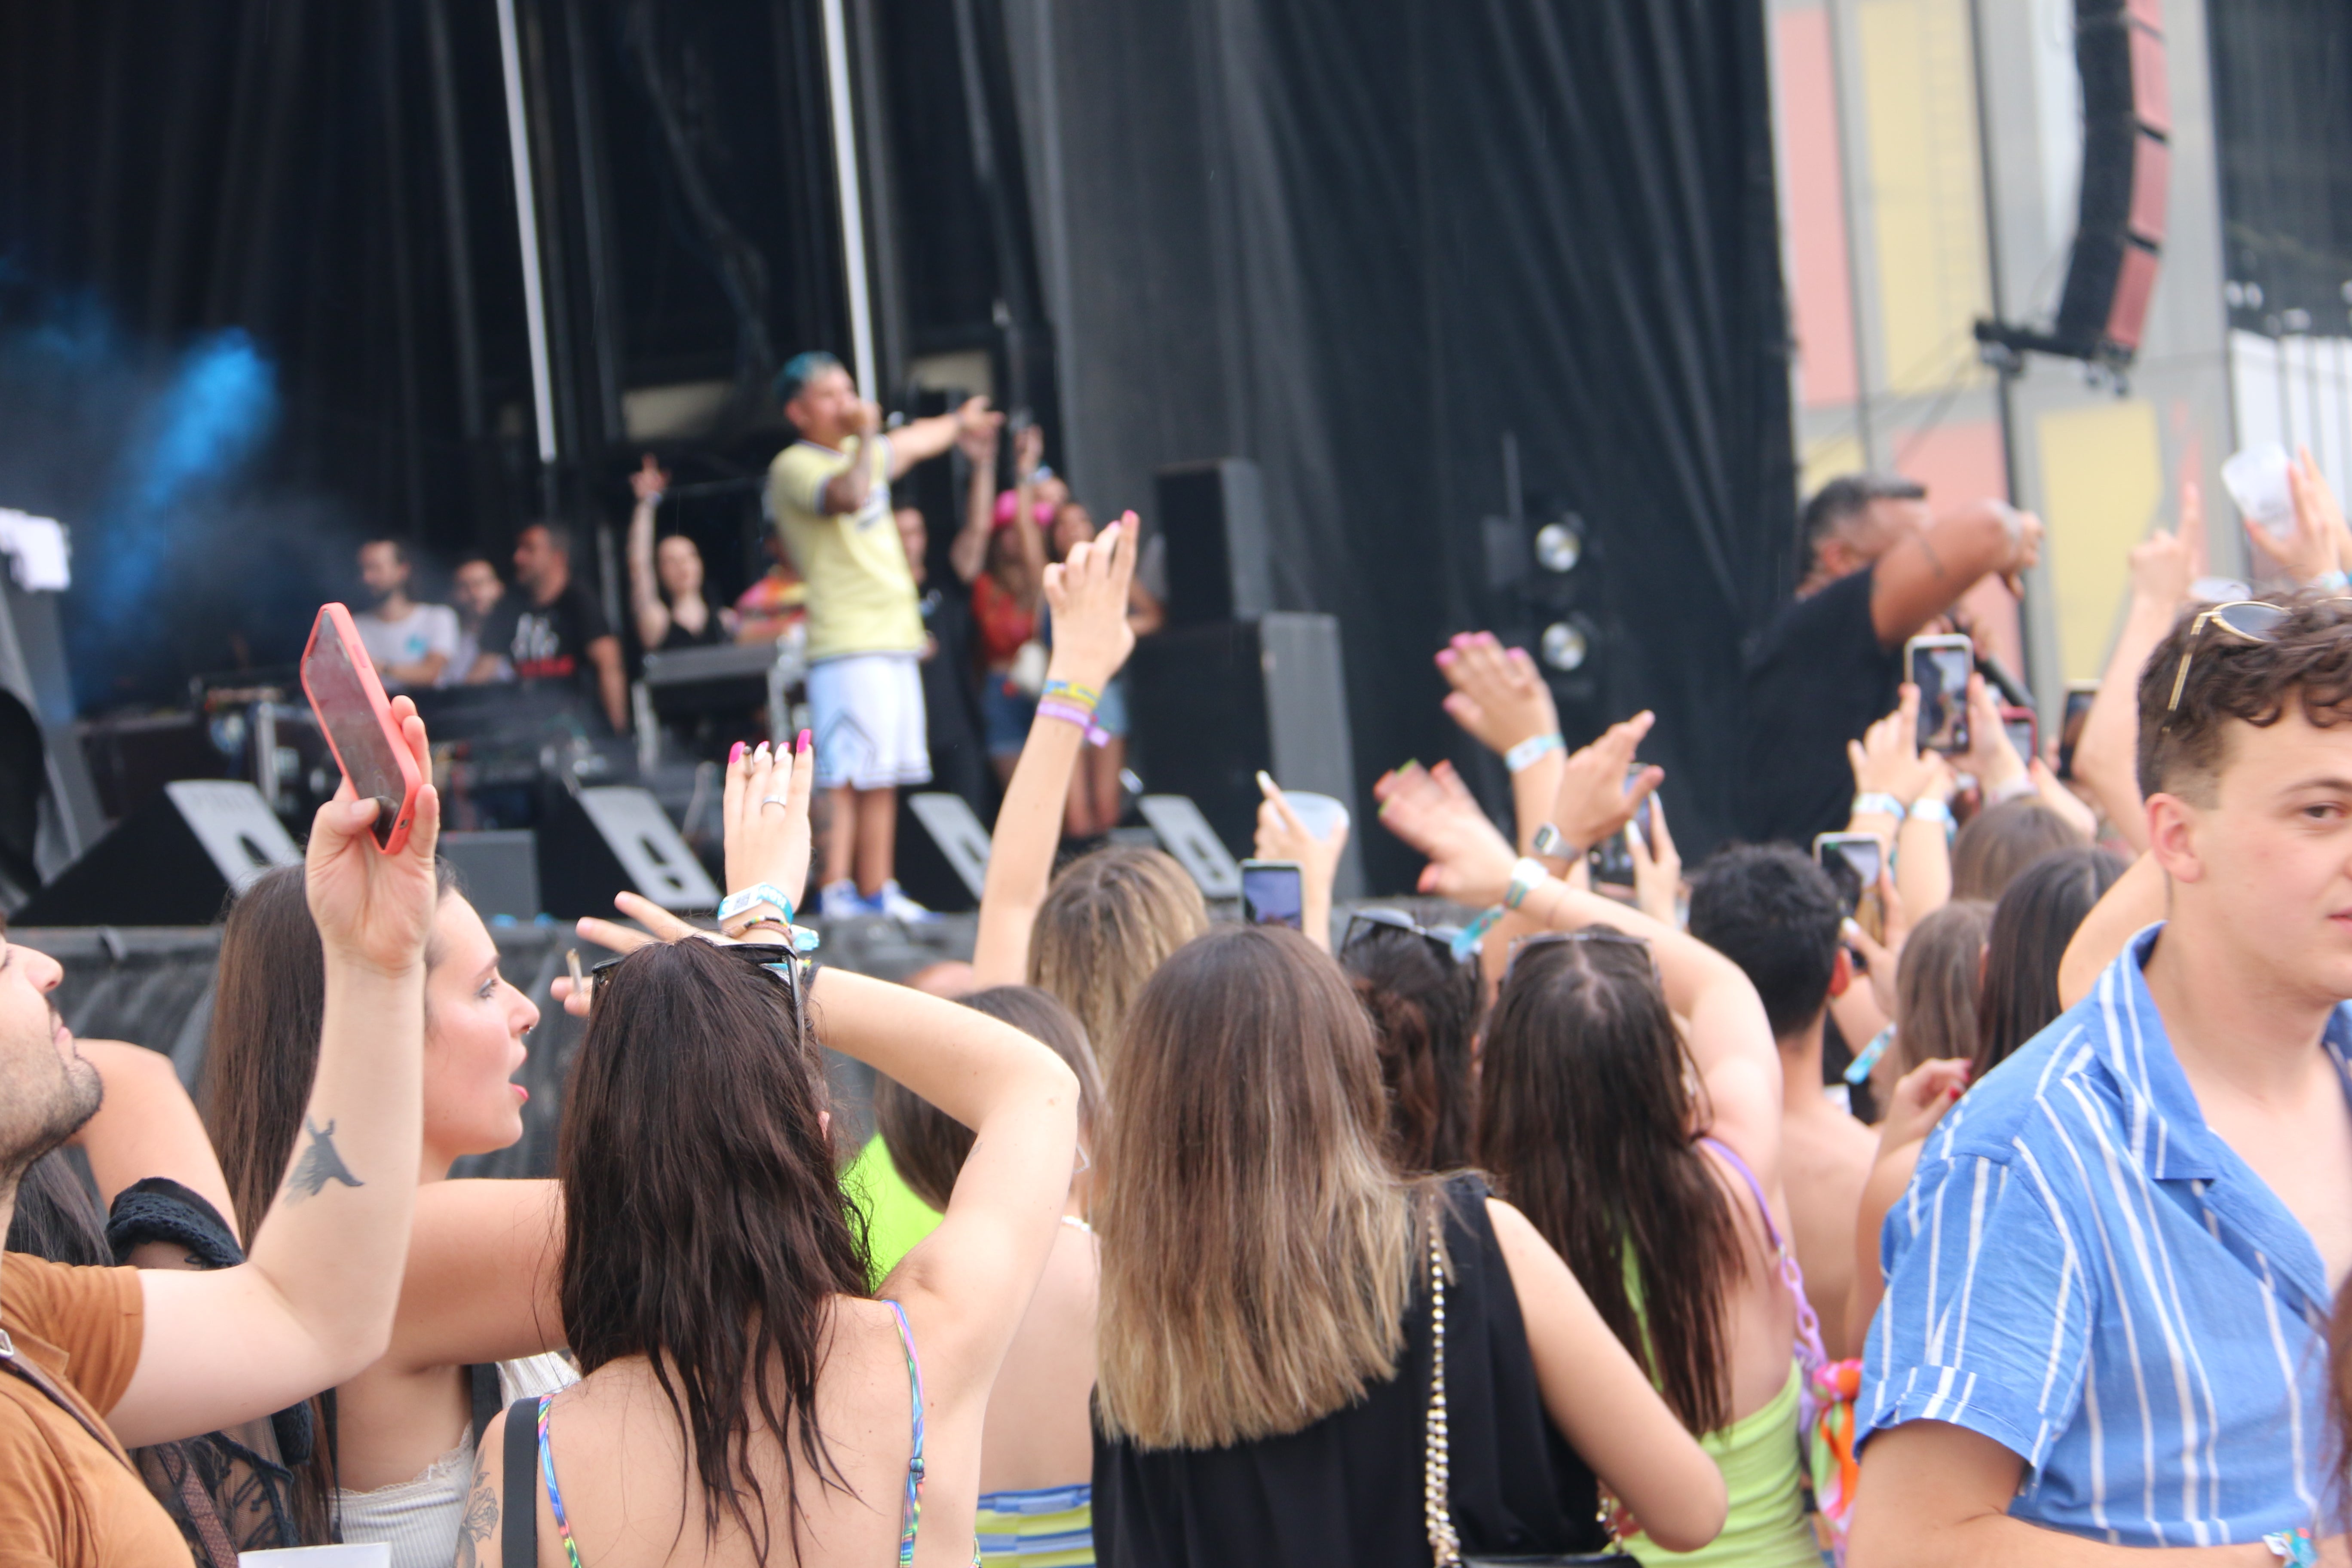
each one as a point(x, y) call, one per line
point(2256, 480)
point(1321, 815)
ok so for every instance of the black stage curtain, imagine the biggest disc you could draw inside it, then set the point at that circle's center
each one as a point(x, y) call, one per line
point(1361, 239)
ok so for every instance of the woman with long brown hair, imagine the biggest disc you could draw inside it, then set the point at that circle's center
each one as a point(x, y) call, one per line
point(746, 1398)
point(1630, 1104)
point(1270, 1325)
point(395, 1444)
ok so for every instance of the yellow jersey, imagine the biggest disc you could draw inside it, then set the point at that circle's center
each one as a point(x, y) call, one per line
point(861, 594)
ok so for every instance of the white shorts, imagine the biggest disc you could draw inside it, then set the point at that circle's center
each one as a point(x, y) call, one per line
point(867, 711)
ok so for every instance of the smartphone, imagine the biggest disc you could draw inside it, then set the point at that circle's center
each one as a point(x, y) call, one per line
point(1274, 893)
point(2079, 696)
point(1853, 861)
point(1610, 860)
point(356, 716)
point(2025, 731)
point(1941, 667)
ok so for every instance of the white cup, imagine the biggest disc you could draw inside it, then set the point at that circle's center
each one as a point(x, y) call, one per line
point(367, 1554)
point(2256, 478)
point(1321, 815)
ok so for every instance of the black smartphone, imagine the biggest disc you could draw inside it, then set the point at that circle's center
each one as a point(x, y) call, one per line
point(1274, 893)
point(1941, 667)
point(2079, 696)
point(2024, 732)
point(1853, 861)
point(1610, 860)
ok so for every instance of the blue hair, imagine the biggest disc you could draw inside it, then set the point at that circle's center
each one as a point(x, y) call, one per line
point(801, 368)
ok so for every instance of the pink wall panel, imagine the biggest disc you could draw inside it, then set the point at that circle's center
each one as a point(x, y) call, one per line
point(1822, 291)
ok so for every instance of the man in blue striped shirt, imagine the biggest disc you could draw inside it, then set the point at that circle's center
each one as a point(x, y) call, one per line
point(2108, 1286)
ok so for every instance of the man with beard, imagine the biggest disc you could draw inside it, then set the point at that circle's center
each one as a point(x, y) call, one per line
point(94, 1360)
point(410, 644)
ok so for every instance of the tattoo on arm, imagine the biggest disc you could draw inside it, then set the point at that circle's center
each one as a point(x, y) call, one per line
point(1935, 562)
point(481, 1519)
point(318, 1165)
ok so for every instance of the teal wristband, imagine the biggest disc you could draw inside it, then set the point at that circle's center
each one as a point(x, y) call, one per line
point(1934, 810)
point(1878, 803)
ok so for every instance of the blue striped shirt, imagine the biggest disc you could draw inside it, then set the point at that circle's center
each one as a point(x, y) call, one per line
point(2084, 1273)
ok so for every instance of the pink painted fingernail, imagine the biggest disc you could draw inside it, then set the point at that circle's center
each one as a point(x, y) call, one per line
point(736, 755)
point(801, 746)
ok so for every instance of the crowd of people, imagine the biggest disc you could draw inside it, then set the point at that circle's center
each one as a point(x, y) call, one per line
point(1182, 1242)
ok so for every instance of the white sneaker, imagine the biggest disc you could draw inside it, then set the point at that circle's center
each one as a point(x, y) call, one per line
point(841, 901)
point(893, 902)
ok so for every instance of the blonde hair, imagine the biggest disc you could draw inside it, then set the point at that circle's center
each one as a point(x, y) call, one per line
point(1938, 982)
point(1110, 920)
point(1257, 1250)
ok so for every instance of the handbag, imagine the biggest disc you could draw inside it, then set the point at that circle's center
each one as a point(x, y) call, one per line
point(1445, 1542)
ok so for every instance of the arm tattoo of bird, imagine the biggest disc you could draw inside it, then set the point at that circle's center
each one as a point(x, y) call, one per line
point(318, 1165)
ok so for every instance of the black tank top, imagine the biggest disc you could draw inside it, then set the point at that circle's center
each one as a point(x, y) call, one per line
point(1347, 1488)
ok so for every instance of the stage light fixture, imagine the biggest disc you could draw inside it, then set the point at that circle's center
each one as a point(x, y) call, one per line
point(1559, 545)
point(1566, 646)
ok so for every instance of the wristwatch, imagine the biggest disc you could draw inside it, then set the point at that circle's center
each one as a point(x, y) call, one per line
point(1527, 875)
point(1549, 843)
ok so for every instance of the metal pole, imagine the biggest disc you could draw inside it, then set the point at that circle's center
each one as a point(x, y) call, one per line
point(852, 207)
point(534, 303)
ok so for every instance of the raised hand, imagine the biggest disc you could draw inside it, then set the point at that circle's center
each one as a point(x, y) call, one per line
point(1087, 594)
point(1887, 759)
point(1497, 695)
point(2163, 565)
point(1920, 1099)
point(614, 937)
point(373, 910)
point(1657, 868)
point(650, 482)
point(1430, 809)
point(2310, 550)
point(1599, 786)
point(1991, 757)
point(1028, 451)
point(766, 813)
point(976, 414)
point(1282, 836)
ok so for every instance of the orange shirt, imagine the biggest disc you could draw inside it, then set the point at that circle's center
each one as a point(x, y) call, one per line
point(65, 1499)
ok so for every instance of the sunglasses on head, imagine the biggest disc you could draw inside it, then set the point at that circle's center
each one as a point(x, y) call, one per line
point(1543, 939)
point(1364, 925)
point(777, 959)
point(2249, 620)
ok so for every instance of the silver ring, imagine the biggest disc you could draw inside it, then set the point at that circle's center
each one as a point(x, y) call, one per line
point(773, 800)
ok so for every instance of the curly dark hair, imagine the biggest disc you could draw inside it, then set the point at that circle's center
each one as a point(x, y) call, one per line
point(2304, 666)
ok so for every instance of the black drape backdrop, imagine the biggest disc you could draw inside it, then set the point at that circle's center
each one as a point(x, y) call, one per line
point(1360, 239)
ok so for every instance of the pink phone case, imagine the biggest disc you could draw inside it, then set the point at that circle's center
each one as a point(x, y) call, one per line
point(372, 689)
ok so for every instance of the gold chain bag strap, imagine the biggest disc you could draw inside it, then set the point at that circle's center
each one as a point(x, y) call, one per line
point(1444, 1540)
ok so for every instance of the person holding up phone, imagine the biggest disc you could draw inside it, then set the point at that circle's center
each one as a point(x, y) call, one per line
point(1879, 569)
point(96, 1360)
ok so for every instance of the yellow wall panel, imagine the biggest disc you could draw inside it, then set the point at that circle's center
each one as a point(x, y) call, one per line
point(1927, 199)
point(1827, 459)
point(2102, 482)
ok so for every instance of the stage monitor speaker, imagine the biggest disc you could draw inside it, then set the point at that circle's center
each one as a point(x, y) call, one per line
point(1184, 832)
point(1219, 565)
point(2126, 177)
point(498, 869)
point(173, 862)
point(612, 840)
point(1214, 704)
point(942, 851)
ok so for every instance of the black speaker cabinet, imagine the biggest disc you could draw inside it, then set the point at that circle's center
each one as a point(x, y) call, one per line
point(1212, 515)
point(174, 861)
point(2126, 176)
point(614, 839)
point(1214, 704)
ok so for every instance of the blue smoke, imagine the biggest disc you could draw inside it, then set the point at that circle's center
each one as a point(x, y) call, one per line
point(218, 408)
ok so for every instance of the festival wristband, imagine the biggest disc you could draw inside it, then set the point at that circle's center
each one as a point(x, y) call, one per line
point(1878, 803)
point(1527, 875)
point(2017, 788)
point(2330, 581)
point(1071, 713)
point(1858, 1069)
point(1466, 941)
point(751, 899)
point(1070, 690)
point(1934, 810)
point(1532, 750)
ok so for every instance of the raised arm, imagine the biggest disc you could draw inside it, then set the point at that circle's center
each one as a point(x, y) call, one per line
point(1893, 779)
point(1926, 573)
point(1503, 704)
point(314, 1304)
point(2107, 753)
point(968, 553)
point(920, 440)
point(147, 1126)
point(1730, 1038)
point(483, 1260)
point(2136, 902)
point(645, 587)
point(1028, 451)
point(1087, 594)
point(1282, 836)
